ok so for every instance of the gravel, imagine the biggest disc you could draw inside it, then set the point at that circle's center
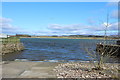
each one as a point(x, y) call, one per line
point(82, 70)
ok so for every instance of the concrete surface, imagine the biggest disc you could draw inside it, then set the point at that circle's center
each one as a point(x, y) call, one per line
point(13, 69)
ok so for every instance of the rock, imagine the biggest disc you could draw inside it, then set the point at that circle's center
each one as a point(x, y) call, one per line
point(72, 70)
point(11, 47)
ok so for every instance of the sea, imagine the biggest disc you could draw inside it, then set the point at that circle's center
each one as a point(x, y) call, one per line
point(55, 50)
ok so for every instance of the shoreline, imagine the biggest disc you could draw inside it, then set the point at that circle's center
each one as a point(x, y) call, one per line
point(59, 61)
point(71, 38)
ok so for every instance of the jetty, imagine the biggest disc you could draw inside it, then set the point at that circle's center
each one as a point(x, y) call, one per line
point(109, 49)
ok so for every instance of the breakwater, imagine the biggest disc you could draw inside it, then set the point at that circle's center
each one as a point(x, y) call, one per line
point(11, 47)
point(109, 49)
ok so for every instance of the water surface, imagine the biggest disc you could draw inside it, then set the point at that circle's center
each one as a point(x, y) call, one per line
point(41, 49)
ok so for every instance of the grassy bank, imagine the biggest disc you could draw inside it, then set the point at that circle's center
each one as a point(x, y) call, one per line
point(10, 45)
point(10, 40)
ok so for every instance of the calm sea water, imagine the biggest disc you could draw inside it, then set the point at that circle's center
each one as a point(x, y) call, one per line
point(43, 49)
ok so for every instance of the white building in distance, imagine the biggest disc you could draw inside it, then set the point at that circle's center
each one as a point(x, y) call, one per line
point(3, 35)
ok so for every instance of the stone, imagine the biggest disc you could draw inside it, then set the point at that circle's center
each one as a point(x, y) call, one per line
point(72, 71)
point(11, 47)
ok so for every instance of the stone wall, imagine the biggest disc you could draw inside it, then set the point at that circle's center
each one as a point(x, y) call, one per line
point(11, 47)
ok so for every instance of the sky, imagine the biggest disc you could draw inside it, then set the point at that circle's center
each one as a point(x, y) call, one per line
point(60, 0)
point(58, 18)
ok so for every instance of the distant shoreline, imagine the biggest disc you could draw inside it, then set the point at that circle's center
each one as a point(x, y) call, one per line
point(69, 37)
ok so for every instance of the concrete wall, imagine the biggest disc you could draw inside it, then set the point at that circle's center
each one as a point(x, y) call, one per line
point(11, 47)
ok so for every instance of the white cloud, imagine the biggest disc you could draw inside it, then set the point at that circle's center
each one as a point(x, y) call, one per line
point(113, 0)
point(5, 23)
point(84, 29)
point(57, 29)
point(72, 27)
point(7, 27)
point(112, 3)
point(5, 20)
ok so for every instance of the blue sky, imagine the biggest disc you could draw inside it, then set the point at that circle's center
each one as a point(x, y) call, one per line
point(58, 18)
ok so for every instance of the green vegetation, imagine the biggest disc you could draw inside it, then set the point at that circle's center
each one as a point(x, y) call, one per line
point(10, 40)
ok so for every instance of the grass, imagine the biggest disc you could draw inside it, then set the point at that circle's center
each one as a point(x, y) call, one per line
point(10, 40)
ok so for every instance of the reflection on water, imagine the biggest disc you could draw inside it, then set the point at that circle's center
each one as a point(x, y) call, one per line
point(41, 49)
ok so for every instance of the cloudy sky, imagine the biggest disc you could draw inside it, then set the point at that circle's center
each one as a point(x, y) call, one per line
point(58, 18)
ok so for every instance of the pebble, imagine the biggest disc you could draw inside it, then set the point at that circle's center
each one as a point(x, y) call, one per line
point(78, 70)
